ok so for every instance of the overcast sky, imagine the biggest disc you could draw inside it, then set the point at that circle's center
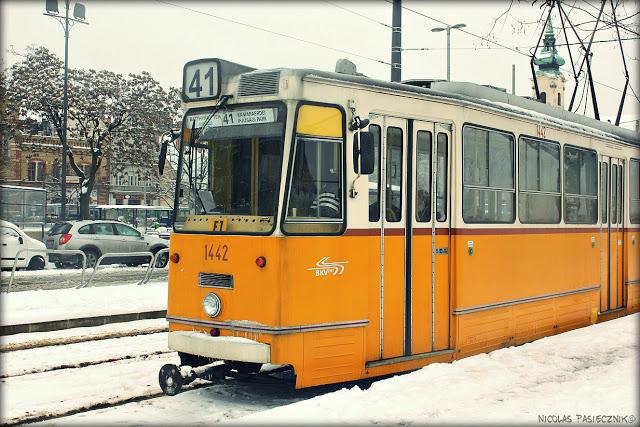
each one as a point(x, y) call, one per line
point(160, 37)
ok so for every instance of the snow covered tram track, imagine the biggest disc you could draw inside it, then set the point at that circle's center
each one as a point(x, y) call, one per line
point(48, 342)
point(84, 364)
point(58, 393)
point(51, 417)
point(81, 354)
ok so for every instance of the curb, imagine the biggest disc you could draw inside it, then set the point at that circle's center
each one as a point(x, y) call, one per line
point(55, 325)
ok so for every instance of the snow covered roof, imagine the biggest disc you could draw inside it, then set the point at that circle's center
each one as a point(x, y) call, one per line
point(473, 93)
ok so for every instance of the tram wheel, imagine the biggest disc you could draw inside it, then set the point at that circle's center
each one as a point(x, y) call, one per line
point(170, 379)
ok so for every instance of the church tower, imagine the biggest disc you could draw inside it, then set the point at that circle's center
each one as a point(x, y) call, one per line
point(550, 78)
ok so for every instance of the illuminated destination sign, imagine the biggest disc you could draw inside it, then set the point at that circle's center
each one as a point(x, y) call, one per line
point(234, 118)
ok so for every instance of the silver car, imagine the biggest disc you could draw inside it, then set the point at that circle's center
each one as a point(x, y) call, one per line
point(96, 238)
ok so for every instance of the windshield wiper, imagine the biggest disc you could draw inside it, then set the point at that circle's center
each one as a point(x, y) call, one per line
point(196, 137)
point(219, 105)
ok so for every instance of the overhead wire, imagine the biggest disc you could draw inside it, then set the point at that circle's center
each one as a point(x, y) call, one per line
point(497, 44)
point(244, 24)
point(358, 14)
point(380, 61)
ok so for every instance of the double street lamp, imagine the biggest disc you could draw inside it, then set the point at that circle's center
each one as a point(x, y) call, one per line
point(51, 7)
point(448, 30)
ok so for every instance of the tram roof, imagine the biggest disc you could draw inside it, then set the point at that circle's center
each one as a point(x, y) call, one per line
point(485, 96)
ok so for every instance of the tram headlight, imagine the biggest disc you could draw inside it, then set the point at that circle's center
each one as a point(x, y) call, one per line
point(211, 305)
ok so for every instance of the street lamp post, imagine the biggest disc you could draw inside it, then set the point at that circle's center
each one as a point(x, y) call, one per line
point(51, 6)
point(448, 30)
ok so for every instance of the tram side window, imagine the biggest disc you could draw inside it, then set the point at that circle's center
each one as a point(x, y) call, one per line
point(580, 186)
point(604, 191)
point(441, 178)
point(423, 176)
point(614, 194)
point(488, 176)
point(393, 193)
point(634, 191)
point(374, 178)
point(539, 198)
point(315, 200)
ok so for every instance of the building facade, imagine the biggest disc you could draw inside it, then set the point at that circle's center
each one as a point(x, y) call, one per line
point(34, 160)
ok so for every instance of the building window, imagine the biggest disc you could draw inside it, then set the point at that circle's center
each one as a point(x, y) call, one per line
point(543, 97)
point(539, 184)
point(580, 186)
point(35, 171)
point(559, 99)
point(55, 170)
point(488, 194)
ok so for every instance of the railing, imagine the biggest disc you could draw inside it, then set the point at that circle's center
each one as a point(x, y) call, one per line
point(147, 276)
point(153, 259)
point(48, 251)
point(121, 255)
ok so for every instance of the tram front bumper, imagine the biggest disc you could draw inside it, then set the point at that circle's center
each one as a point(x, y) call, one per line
point(224, 348)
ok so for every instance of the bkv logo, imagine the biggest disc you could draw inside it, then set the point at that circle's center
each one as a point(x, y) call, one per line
point(325, 268)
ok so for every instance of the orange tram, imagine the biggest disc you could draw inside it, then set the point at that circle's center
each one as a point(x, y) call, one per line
point(344, 227)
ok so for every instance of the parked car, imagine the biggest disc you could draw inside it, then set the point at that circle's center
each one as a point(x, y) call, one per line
point(12, 240)
point(96, 238)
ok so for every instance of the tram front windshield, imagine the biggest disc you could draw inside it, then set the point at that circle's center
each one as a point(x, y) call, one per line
point(231, 167)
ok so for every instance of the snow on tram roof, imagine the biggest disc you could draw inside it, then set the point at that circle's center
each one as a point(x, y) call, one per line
point(473, 93)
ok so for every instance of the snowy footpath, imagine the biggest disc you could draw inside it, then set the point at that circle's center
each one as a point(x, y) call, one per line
point(57, 304)
point(588, 375)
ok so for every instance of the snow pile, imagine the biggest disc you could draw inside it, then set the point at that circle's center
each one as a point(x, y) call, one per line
point(59, 304)
point(590, 371)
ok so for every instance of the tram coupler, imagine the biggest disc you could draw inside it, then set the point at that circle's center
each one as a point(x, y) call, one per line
point(173, 378)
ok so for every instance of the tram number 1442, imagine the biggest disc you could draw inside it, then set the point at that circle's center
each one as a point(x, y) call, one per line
point(216, 252)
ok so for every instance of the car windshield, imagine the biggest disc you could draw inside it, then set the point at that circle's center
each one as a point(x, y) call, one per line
point(59, 228)
point(231, 167)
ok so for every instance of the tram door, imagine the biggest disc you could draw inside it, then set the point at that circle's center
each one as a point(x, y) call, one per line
point(414, 228)
point(612, 172)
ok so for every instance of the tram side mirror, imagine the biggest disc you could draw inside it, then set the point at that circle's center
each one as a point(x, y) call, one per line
point(363, 153)
point(163, 155)
point(20, 240)
point(165, 140)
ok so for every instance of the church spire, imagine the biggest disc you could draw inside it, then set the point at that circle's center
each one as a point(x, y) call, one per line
point(549, 61)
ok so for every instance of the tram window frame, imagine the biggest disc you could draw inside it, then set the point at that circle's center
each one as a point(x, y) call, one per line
point(604, 192)
point(388, 194)
point(621, 175)
point(442, 175)
point(634, 191)
point(374, 214)
point(566, 194)
point(473, 187)
point(534, 194)
point(342, 221)
point(421, 214)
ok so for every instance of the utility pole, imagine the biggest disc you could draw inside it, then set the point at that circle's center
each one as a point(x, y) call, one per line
point(51, 7)
point(396, 42)
point(513, 79)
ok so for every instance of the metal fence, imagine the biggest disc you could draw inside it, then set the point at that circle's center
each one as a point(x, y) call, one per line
point(153, 260)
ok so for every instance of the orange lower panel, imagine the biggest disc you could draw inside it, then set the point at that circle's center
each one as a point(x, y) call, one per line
point(484, 331)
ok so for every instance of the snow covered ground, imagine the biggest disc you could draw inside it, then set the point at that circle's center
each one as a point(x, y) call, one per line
point(112, 379)
point(586, 372)
point(46, 305)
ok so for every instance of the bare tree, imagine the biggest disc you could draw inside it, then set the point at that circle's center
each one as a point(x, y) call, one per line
point(118, 117)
